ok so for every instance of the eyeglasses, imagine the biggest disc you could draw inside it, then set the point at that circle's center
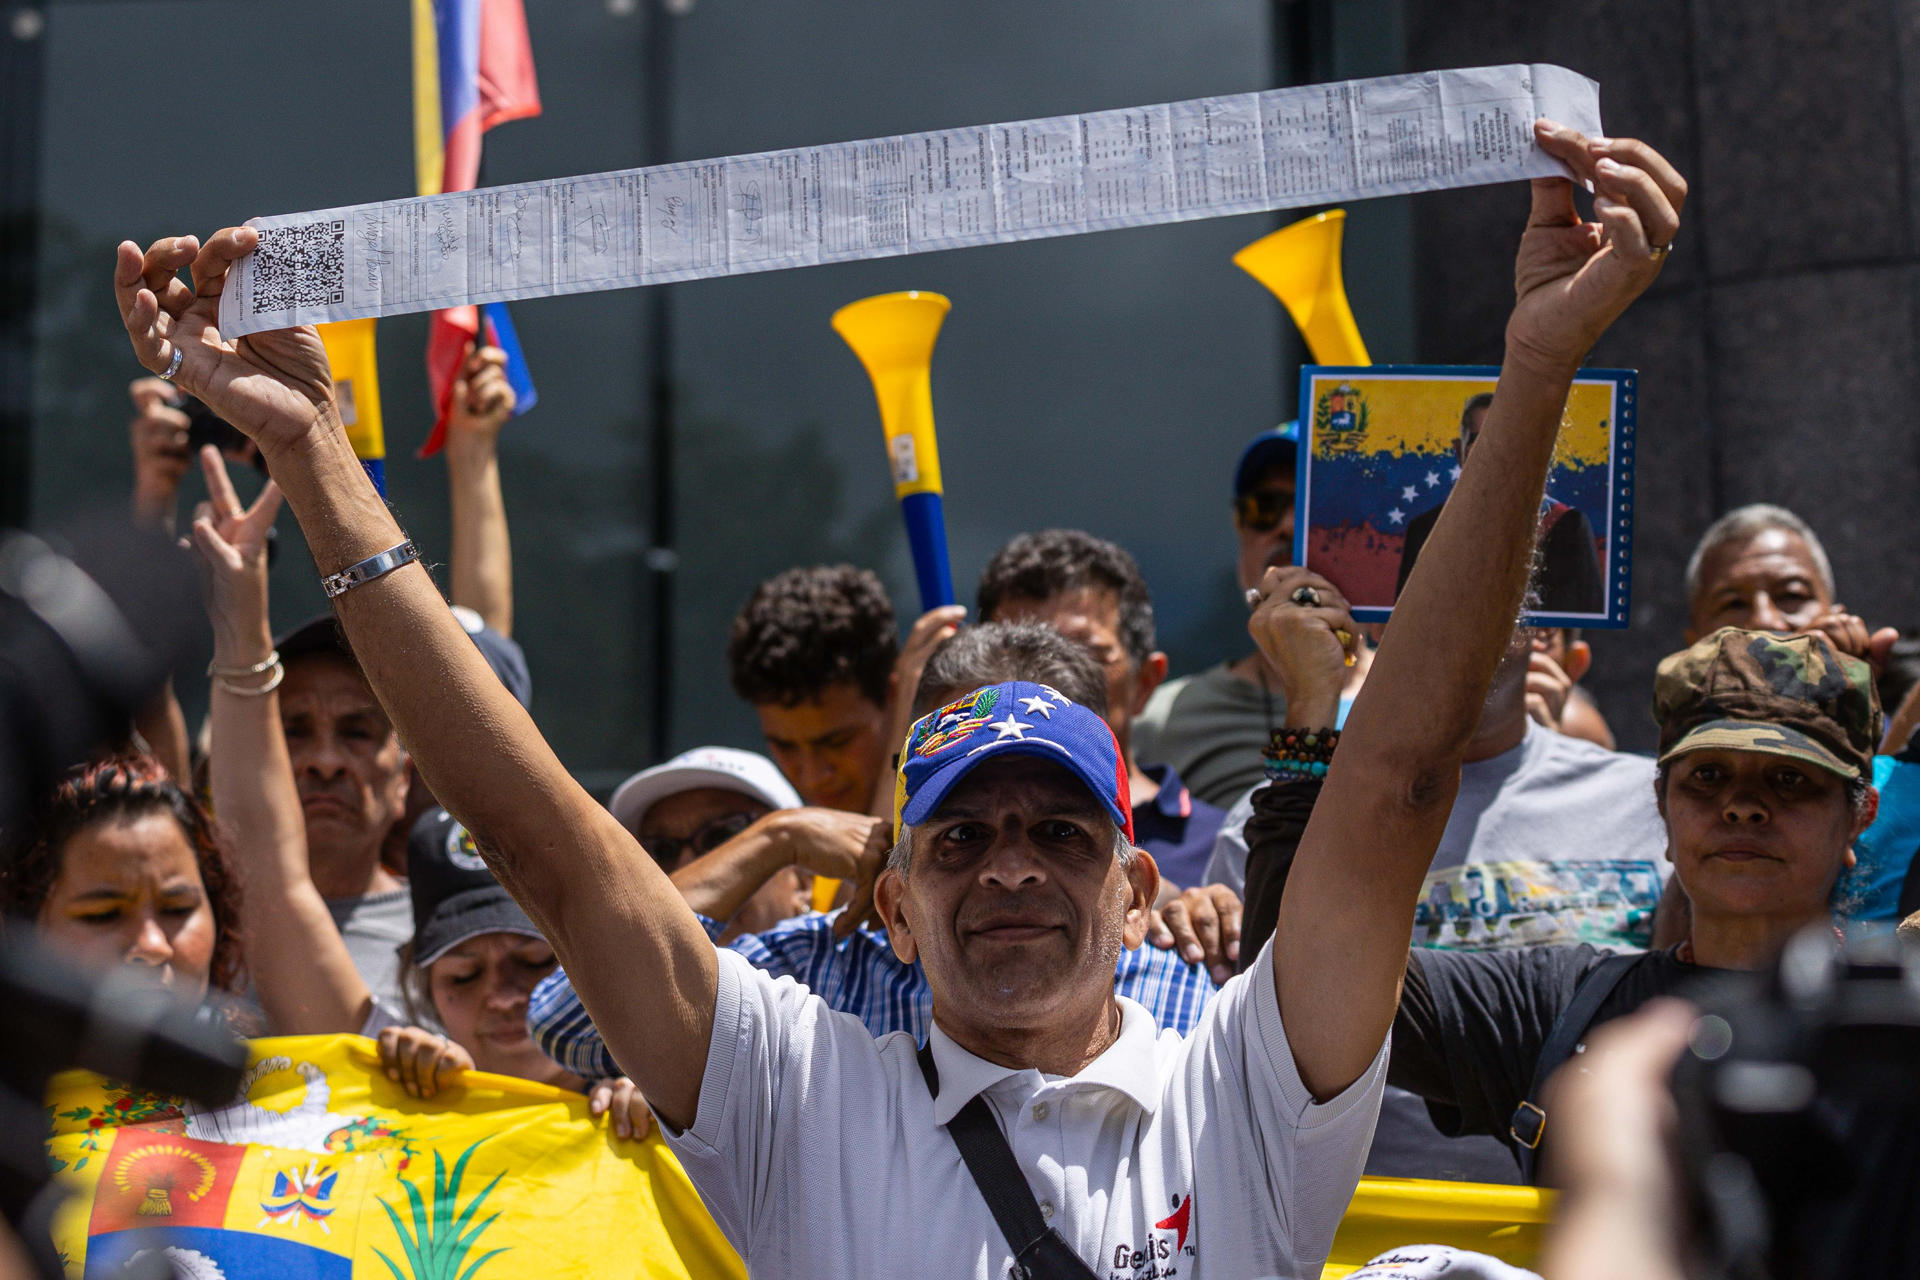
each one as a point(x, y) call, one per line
point(1262, 510)
point(668, 850)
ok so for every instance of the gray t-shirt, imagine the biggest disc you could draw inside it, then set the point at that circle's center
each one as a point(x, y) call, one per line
point(1555, 840)
point(373, 928)
point(1212, 728)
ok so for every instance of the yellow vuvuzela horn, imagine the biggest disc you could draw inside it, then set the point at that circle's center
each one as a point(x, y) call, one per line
point(1301, 264)
point(893, 334)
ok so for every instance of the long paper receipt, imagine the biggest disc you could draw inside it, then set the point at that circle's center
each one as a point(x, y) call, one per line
point(949, 189)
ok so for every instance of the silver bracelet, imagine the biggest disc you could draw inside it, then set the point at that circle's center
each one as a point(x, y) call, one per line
point(259, 691)
point(261, 667)
point(357, 575)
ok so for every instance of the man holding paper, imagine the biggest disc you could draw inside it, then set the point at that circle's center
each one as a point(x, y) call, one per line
point(820, 1150)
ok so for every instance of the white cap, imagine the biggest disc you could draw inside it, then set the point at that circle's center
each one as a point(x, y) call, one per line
point(726, 768)
point(1422, 1261)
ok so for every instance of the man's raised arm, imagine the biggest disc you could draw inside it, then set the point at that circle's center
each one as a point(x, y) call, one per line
point(643, 966)
point(1347, 918)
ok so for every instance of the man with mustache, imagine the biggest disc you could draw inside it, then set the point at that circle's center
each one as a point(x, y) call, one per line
point(821, 1151)
point(355, 784)
point(351, 772)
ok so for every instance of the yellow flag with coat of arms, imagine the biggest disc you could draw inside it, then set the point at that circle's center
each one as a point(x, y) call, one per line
point(324, 1169)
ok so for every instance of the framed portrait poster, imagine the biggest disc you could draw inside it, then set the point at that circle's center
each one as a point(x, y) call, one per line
point(1382, 446)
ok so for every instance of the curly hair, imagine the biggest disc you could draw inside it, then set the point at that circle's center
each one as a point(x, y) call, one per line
point(118, 788)
point(1041, 566)
point(809, 628)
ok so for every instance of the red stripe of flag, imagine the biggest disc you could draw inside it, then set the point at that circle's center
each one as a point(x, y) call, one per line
point(506, 90)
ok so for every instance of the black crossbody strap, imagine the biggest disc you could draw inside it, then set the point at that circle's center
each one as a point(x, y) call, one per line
point(1039, 1251)
point(1529, 1123)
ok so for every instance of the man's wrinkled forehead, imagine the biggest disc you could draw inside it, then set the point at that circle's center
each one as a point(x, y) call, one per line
point(334, 679)
point(1766, 557)
point(1022, 782)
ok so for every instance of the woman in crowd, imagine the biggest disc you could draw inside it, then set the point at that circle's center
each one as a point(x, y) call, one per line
point(124, 867)
point(475, 956)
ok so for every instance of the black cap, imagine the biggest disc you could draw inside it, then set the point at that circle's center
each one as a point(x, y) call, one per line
point(315, 635)
point(455, 897)
point(506, 659)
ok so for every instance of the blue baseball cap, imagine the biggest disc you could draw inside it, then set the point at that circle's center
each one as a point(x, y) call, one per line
point(1272, 446)
point(1012, 719)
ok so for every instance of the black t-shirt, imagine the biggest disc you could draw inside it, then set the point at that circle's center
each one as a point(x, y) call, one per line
point(1472, 1024)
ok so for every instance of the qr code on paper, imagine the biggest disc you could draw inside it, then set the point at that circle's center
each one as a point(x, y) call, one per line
point(302, 266)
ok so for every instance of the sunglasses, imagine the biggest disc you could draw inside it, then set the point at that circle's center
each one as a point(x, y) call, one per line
point(668, 850)
point(1262, 510)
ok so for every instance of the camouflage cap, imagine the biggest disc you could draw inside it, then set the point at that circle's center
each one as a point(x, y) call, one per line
point(1793, 696)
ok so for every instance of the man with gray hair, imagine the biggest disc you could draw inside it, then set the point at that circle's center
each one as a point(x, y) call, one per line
point(841, 956)
point(821, 1151)
point(1761, 567)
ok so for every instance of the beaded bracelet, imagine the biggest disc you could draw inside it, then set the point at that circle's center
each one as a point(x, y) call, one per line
point(1300, 753)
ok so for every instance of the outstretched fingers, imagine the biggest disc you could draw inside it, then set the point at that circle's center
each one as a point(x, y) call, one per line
point(1654, 215)
point(1570, 147)
point(226, 503)
point(266, 506)
point(223, 248)
point(139, 309)
point(160, 271)
point(1638, 155)
point(213, 549)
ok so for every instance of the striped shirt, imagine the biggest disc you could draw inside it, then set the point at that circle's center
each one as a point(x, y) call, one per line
point(858, 975)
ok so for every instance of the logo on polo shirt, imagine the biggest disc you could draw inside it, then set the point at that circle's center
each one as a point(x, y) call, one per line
point(1159, 1258)
point(1177, 1221)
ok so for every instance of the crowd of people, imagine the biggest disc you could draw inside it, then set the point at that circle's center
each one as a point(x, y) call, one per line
point(1180, 959)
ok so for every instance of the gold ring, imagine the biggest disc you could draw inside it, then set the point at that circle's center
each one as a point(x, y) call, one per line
point(1659, 251)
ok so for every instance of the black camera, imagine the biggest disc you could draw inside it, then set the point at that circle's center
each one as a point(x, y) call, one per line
point(1799, 1106)
point(91, 621)
point(205, 427)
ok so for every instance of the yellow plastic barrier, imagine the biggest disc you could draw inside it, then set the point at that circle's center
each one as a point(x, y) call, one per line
point(1387, 1212)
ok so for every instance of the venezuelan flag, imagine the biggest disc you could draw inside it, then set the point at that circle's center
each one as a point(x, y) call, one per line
point(356, 389)
point(322, 1169)
point(472, 70)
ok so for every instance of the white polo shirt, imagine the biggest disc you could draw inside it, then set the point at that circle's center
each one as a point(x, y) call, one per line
point(820, 1153)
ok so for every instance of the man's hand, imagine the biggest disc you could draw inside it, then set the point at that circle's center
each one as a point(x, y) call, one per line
point(643, 967)
point(1573, 278)
point(619, 1099)
point(1611, 1150)
point(161, 454)
point(232, 546)
point(1339, 948)
point(850, 847)
point(420, 1061)
point(930, 630)
point(1848, 633)
point(1203, 925)
point(1548, 688)
point(273, 386)
point(482, 400)
point(1302, 642)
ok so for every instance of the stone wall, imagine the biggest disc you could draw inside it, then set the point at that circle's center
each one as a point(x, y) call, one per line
point(1778, 353)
